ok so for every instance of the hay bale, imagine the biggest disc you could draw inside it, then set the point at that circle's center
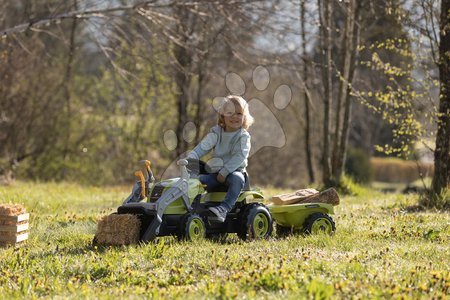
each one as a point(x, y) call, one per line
point(11, 209)
point(118, 229)
point(327, 196)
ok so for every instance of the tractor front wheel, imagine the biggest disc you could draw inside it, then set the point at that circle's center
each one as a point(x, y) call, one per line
point(193, 229)
point(256, 223)
point(319, 222)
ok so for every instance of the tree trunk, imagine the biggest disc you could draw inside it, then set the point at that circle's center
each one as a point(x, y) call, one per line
point(183, 62)
point(309, 158)
point(325, 25)
point(353, 41)
point(199, 110)
point(346, 51)
point(441, 178)
point(67, 92)
point(182, 83)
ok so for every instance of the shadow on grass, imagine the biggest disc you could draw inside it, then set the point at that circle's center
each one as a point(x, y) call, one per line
point(423, 206)
point(429, 202)
point(86, 248)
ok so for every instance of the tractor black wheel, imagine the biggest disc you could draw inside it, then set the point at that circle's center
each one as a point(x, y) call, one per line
point(192, 229)
point(256, 222)
point(319, 222)
point(217, 237)
point(283, 231)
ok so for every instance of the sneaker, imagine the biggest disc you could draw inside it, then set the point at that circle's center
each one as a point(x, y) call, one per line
point(220, 212)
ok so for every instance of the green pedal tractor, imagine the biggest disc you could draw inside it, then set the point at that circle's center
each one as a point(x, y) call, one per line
point(180, 207)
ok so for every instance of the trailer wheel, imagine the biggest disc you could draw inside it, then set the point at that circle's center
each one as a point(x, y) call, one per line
point(319, 222)
point(193, 229)
point(256, 223)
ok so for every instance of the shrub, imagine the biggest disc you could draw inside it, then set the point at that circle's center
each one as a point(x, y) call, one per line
point(358, 166)
point(431, 200)
point(398, 170)
point(347, 186)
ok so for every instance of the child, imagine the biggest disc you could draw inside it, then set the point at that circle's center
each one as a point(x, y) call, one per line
point(231, 144)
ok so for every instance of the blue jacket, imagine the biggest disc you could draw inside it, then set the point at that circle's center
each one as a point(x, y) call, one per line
point(231, 150)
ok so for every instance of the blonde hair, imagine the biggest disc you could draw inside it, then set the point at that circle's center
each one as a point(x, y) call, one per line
point(239, 104)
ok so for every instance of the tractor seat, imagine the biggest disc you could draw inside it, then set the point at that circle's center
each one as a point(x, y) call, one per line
point(224, 188)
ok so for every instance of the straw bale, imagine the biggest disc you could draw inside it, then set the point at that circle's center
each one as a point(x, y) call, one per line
point(118, 229)
point(11, 209)
point(327, 196)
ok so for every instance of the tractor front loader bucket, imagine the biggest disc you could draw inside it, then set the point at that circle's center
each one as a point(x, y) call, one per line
point(149, 219)
point(151, 213)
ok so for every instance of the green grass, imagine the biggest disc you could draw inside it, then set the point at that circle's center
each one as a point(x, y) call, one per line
point(379, 251)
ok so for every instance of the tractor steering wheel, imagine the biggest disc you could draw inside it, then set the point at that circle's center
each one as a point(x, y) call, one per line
point(196, 166)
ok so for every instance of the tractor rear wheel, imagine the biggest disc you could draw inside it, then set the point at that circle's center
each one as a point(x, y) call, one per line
point(193, 228)
point(319, 222)
point(256, 222)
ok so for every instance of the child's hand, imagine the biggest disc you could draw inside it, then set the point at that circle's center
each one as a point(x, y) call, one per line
point(220, 178)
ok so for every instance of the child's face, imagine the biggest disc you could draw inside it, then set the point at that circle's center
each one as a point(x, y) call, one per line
point(233, 117)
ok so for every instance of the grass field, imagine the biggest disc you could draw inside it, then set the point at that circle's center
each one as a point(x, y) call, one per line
point(379, 251)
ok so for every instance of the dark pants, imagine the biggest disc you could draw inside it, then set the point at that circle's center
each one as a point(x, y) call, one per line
point(235, 182)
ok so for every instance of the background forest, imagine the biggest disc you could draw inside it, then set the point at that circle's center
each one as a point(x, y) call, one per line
point(343, 92)
point(90, 87)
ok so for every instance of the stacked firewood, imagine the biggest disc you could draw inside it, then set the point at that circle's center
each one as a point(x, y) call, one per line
point(307, 196)
point(13, 224)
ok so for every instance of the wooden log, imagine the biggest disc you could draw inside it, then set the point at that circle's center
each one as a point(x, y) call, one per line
point(291, 198)
point(327, 196)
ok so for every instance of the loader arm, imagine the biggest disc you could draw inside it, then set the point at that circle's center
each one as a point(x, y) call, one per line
point(175, 192)
point(142, 187)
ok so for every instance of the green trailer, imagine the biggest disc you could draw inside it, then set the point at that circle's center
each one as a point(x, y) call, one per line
point(307, 218)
